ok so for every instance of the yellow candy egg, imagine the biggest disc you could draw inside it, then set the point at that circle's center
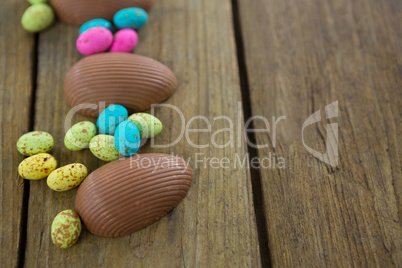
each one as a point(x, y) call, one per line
point(37, 167)
point(67, 177)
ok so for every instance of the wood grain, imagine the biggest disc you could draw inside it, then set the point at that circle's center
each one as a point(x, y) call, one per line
point(15, 91)
point(215, 224)
point(301, 56)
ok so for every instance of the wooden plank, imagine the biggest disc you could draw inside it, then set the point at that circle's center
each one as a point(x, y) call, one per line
point(215, 224)
point(16, 63)
point(301, 56)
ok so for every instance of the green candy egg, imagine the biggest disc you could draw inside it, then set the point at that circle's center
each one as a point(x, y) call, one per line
point(37, 18)
point(79, 136)
point(33, 2)
point(141, 124)
point(66, 228)
point(103, 147)
point(35, 142)
point(150, 125)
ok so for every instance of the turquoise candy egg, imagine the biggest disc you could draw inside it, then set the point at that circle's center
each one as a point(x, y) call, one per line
point(110, 118)
point(96, 23)
point(127, 138)
point(132, 17)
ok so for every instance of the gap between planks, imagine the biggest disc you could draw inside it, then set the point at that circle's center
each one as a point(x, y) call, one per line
point(25, 200)
point(256, 184)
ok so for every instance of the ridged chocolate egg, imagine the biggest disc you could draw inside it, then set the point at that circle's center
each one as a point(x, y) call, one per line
point(125, 196)
point(133, 81)
point(80, 11)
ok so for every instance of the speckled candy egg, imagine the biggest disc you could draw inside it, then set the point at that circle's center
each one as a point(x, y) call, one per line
point(96, 23)
point(79, 136)
point(104, 148)
point(140, 123)
point(125, 41)
point(133, 18)
point(37, 18)
point(37, 167)
point(67, 177)
point(33, 2)
point(110, 118)
point(35, 142)
point(127, 138)
point(154, 125)
point(94, 40)
point(66, 228)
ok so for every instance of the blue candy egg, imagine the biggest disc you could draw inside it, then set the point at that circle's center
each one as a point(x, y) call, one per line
point(96, 23)
point(132, 17)
point(110, 118)
point(127, 138)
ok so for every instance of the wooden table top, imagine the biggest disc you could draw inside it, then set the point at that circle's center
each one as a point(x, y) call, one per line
point(328, 189)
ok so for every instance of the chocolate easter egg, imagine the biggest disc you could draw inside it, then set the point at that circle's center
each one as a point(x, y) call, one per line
point(79, 11)
point(133, 81)
point(127, 195)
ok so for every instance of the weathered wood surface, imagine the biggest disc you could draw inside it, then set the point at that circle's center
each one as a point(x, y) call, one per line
point(301, 56)
point(16, 47)
point(215, 223)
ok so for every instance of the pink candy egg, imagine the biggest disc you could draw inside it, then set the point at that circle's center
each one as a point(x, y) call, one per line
point(94, 40)
point(124, 41)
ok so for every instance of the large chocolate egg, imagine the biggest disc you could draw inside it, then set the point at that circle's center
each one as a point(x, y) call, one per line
point(80, 11)
point(127, 195)
point(133, 81)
